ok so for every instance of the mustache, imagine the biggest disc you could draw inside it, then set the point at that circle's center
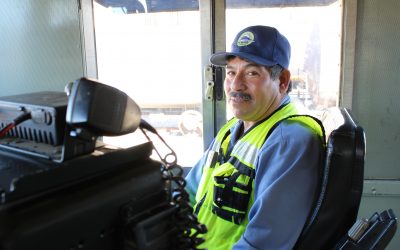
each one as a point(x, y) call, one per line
point(241, 95)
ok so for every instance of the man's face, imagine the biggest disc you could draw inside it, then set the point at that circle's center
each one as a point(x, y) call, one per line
point(251, 93)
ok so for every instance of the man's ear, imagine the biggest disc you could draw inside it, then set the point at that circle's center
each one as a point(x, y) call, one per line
point(284, 80)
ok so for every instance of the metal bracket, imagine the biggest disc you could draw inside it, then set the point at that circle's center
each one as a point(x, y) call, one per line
point(209, 83)
point(213, 83)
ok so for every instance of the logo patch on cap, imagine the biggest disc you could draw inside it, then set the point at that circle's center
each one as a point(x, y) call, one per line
point(245, 39)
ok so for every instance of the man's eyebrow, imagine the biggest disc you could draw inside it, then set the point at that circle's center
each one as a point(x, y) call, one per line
point(248, 65)
point(253, 65)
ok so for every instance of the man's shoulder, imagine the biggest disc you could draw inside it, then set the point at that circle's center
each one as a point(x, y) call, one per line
point(294, 130)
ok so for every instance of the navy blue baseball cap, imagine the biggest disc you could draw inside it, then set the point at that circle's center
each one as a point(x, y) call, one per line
point(263, 45)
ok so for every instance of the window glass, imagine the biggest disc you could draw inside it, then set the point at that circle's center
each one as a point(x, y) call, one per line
point(151, 50)
point(313, 29)
point(153, 54)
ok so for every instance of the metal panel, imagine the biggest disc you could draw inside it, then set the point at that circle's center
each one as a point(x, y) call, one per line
point(376, 104)
point(348, 50)
point(376, 87)
point(40, 45)
point(88, 39)
point(212, 40)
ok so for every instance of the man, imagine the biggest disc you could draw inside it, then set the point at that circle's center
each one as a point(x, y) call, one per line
point(255, 185)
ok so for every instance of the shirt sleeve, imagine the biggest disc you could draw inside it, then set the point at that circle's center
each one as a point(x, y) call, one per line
point(284, 187)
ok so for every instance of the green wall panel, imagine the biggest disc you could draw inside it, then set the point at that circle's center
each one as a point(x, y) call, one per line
point(40, 45)
point(376, 104)
point(376, 93)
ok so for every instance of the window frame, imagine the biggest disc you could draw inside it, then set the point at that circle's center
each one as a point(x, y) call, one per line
point(213, 36)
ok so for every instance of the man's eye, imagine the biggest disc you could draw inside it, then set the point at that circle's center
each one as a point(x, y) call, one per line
point(230, 73)
point(252, 73)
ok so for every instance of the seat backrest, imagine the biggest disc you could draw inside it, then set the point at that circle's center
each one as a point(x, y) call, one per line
point(341, 183)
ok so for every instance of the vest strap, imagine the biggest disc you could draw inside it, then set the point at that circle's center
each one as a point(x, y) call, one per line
point(231, 216)
point(198, 205)
point(319, 122)
point(242, 168)
point(224, 179)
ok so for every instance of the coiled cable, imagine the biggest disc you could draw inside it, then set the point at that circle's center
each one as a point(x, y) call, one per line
point(187, 222)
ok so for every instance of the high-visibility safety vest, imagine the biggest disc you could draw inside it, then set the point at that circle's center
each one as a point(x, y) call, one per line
point(225, 191)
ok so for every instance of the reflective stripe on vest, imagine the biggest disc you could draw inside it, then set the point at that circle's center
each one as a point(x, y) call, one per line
point(225, 191)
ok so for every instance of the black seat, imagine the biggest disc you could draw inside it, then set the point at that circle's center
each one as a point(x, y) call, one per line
point(341, 183)
point(332, 221)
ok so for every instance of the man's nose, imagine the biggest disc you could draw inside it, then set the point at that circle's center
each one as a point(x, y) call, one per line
point(237, 83)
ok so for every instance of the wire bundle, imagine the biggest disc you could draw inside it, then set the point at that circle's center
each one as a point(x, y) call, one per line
point(188, 225)
point(21, 118)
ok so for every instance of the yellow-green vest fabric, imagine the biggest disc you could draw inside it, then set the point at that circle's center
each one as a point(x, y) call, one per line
point(225, 192)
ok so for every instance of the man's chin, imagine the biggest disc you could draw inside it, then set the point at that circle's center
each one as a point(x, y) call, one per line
point(239, 114)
